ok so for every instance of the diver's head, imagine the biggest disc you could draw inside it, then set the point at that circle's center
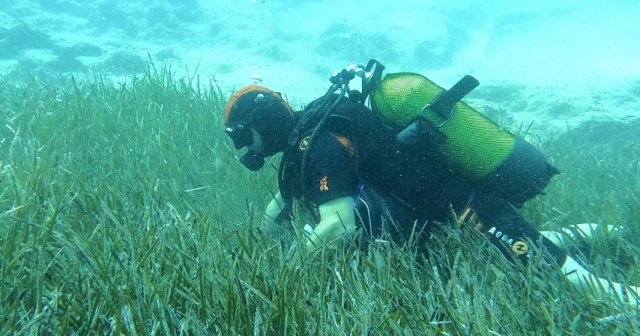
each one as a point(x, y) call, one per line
point(259, 119)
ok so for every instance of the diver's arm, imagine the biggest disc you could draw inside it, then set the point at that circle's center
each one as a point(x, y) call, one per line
point(270, 214)
point(586, 282)
point(337, 217)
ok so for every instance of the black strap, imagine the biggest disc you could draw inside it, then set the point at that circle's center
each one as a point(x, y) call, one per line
point(445, 103)
point(285, 184)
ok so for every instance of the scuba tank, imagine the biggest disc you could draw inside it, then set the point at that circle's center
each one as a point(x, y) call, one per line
point(469, 143)
point(474, 145)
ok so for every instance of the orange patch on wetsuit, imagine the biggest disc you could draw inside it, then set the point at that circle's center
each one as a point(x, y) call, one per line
point(324, 184)
point(345, 143)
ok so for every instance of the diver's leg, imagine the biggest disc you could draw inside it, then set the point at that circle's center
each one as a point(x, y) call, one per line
point(503, 221)
point(556, 237)
point(510, 232)
point(584, 230)
point(586, 282)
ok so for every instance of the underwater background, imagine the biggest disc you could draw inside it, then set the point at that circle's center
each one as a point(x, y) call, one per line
point(124, 209)
point(561, 63)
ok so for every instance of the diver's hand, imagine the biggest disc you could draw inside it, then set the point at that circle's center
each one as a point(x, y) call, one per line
point(337, 218)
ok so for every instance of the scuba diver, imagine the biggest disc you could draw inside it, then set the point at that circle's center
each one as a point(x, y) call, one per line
point(416, 157)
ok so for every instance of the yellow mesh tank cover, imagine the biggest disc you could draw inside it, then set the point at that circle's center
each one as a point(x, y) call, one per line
point(475, 145)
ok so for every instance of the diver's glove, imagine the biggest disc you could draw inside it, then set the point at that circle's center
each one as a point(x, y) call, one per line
point(344, 239)
point(337, 220)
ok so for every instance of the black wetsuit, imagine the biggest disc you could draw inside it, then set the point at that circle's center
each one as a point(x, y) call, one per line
point(355, 154)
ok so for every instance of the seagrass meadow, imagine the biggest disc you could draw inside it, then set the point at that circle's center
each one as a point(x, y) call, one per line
point(123, 211)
